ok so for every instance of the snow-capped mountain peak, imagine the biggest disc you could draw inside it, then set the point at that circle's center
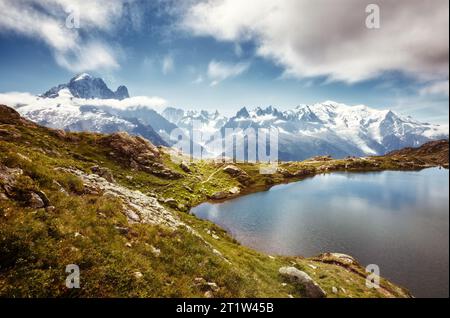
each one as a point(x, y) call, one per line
point(86, 86)
point(243, 113)
point(81, 77)
point(204, 121)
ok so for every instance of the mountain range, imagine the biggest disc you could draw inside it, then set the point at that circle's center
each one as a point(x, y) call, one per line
point(327, 128)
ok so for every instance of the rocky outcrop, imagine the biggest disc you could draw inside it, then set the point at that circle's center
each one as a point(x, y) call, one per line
point(239, 174)
point(137, 153)
point(232, 170)
point(26, 194)
point(432, 153)
point(133, 150)
point(9, 116)
point(158, 169)
point(137, 206)
point(8, 175)
point(310, 288)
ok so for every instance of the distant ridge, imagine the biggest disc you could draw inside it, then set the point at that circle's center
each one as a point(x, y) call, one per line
point(436, 152)
point(328, 128)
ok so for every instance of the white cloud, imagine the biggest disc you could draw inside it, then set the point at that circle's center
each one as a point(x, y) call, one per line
point(168, 64)
point(14, 99)
point(18, 100)
point(128, 103)
point(329, 38)
point(92, 56)
point(436, 88)
point(45, 20)
point(220, 71)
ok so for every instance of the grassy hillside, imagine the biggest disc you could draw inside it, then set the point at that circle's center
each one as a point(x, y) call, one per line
point(69, 198)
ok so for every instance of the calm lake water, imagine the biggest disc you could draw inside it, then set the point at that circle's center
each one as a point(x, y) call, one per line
point(397, 220)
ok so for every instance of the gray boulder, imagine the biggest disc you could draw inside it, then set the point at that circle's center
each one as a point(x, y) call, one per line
point(185, 167)
point(171, 203)
point(35, 201)
point(232, 170)
point(43, 197)
point(104, 173)
point(221, 195)
point(311, 288)
point(238, 173)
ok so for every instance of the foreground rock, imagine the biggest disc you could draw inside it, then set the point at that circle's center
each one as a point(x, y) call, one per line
point(311, 288)
point(234, 191)
point(238, 173)
point(221, 195)
point(8, 176)
point(35, 201)
point(185, 167)
point(337, 258)
point(10, 188)
point(103, 172)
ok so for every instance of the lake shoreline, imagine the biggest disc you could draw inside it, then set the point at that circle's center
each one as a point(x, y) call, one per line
point(236, 233)
point(429, 155)
point(256, 189)
point(409, 160)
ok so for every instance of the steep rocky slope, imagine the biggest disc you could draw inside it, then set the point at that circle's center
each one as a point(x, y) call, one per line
point(116, 206)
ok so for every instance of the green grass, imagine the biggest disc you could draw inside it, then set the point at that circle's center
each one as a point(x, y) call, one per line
point(83, 229)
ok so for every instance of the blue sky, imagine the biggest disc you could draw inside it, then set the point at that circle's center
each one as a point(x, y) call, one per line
point(224, 54)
